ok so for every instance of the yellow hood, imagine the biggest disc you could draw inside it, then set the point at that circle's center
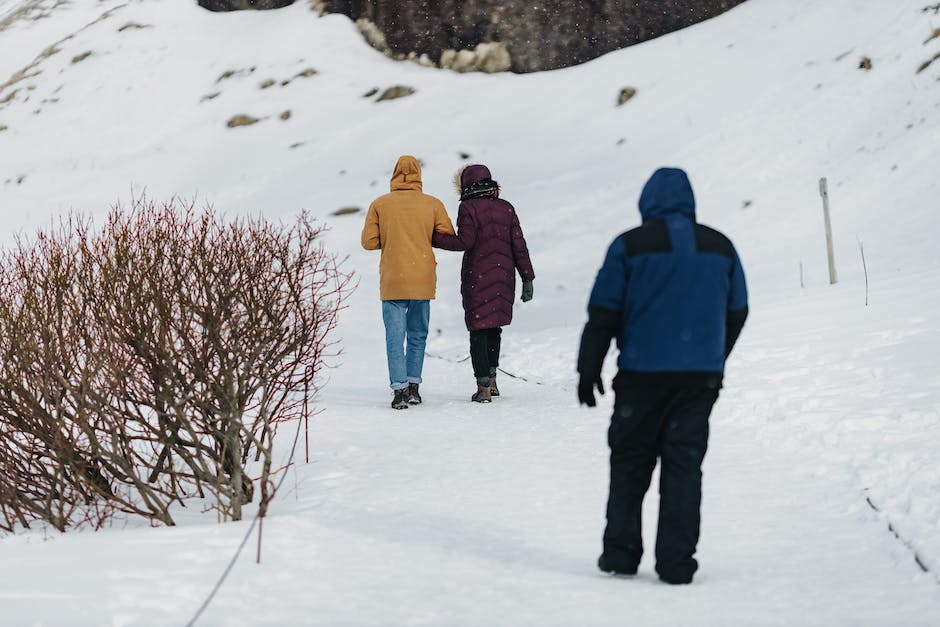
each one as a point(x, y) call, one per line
point(407, 174)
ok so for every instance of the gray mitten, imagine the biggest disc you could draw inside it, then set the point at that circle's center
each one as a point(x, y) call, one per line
point(527, 291)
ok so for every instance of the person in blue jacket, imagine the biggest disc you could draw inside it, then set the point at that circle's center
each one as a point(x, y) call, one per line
point(672, 292)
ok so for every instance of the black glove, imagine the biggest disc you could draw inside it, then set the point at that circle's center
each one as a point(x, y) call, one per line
point(527, 291)
point(586, 391)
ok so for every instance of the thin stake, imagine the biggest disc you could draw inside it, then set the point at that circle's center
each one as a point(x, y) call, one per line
point(824, 192)
point(861, 249)
point(260, 531)
point(307, 413)
point(802, 285)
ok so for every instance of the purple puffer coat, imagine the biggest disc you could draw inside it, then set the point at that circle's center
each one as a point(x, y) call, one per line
point(488, 231)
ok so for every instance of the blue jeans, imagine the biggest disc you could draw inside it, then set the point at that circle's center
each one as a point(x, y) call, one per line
point(406, 321)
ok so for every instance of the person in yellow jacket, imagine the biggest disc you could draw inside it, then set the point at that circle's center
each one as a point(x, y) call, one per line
point(401, 224)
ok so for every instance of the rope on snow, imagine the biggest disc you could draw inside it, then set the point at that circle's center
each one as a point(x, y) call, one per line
point(907, 543)
point(255, 521)
point(467, 358)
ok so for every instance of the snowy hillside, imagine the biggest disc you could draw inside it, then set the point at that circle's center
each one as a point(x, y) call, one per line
point(827, 431)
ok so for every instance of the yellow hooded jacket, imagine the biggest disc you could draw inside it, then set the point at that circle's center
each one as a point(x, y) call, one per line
point(401, 224)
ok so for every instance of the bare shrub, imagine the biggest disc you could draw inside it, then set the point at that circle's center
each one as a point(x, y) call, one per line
point(153, 362)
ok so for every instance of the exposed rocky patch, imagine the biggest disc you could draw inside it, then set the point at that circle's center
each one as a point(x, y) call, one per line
point(486, 57)
point(241, 120)
point(626, 94)
point(926, 64)
point(224, 76)
point(33, 10)
point(133, 26)
point(347, 211)
point(396, 92)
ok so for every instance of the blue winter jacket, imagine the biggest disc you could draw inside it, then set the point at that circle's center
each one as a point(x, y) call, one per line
point(671, 290)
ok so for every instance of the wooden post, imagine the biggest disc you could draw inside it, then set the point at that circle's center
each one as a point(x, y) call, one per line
point(824, 192)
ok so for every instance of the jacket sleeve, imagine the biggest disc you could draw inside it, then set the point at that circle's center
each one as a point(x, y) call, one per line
point(442, 223)
point(444, 236)
point(605, 311)
point(370, 231)
point(737, 306)
point(466, 237)
point(520, 250)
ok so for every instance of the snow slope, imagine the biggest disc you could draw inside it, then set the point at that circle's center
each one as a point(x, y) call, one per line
point(452, 514)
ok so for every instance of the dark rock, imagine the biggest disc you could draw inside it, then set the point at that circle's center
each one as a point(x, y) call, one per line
point(538, 36)
point(241, 5)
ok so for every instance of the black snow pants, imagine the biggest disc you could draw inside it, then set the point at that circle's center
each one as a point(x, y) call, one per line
point(484, 352)
point(665, 417)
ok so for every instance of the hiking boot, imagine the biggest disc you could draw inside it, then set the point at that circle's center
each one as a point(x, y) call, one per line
point(494, 391)
point(482, 394)
point(413, 397)
point(400, 400)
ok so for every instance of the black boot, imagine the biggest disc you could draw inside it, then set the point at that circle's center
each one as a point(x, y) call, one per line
point(400, 400)
point(414, 398)
point(494, 391)
point(609, 566)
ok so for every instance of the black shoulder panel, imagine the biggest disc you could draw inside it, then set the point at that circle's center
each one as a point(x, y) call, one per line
point(708, 240)
point(652, 237)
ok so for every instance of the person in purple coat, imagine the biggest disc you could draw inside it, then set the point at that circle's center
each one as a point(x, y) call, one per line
point(489, 233)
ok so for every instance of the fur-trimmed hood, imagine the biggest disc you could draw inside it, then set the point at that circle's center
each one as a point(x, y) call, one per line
point(470, 174)
point(475, 181)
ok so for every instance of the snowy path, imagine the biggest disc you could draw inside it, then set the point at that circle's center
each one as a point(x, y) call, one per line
point(459, 514)
point(453, 514)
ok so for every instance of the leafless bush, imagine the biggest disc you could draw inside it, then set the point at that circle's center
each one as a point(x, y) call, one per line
point(153, 361)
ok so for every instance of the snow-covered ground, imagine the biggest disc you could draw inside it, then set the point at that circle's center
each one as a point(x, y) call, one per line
point(822, 477)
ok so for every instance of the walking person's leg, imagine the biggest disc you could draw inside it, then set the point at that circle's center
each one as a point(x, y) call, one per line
point(685, 440)
point(493, 344)
point(634, 445)
point(394, 316)
point(418, 319)
point(479, 357)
